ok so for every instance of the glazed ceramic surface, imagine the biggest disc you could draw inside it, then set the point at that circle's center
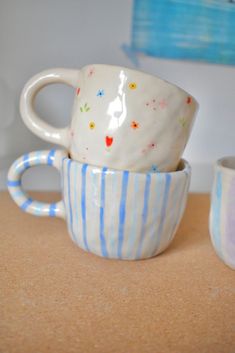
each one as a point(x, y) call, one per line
point(114, 214)
point(121, 118)
point(222, 213)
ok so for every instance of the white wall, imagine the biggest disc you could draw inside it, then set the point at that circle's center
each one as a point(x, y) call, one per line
point(35, 35)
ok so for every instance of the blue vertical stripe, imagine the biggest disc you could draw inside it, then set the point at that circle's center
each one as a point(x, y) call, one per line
point(76, 199)
point(133, 231)
point(63, 186)
point(102, 208)
point(157, 203)
point(83, 205)
point(163, 210)
point(64, 166)
point(216, 212)
point(179, 194)
point(95, 208)
point(122, 212)
point(144, 214)
point(69, 200)
point(112, 237)
point(51, 157)
point(26, 161)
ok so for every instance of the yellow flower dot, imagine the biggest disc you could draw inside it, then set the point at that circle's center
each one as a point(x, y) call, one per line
point(132, 85)
point(92, 125)
point(134, 125)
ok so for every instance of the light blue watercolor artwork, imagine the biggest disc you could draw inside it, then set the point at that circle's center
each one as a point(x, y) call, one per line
point(199, 30)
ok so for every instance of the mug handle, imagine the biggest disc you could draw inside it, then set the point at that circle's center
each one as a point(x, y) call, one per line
point(27, 204)
point(39, 127)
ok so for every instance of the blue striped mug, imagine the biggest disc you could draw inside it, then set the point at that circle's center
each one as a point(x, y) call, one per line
point(111, 213)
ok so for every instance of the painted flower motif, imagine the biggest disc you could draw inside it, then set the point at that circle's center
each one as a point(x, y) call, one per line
point(152, 104)
point(152, 145)
point(92, 125)
point(108, 140)
point(100, 93)
point(149, 147)
point(154, 169)
point(78, 91)
point(135, 125)
point(84, 108)
point(189, 100)
point(91, 71)
point(183, 122)
point(132, 85)
point(162, 104)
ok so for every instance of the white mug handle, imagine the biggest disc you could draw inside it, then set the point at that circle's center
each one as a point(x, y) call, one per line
point(40, 128)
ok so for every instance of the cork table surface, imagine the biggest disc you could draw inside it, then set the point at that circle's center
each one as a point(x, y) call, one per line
point(55, 297)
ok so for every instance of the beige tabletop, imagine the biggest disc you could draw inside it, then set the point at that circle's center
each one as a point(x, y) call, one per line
point(55, 297)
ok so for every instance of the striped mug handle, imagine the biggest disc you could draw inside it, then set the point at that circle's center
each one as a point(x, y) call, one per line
point(53, 158)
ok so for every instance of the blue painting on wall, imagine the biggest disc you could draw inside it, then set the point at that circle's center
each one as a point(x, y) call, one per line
point(201, 30)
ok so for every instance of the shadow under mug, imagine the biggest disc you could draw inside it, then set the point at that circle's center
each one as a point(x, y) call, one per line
point(222, 211)
point(121, 118)
point(114, 214)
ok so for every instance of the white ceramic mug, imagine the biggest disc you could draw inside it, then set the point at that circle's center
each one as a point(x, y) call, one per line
point(114, 214)
point(122, 118)
point(222, 212)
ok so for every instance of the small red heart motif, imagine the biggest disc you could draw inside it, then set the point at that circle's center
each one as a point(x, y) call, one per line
point(109, 141)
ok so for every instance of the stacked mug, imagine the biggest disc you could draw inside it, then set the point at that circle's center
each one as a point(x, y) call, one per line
point(124, 184)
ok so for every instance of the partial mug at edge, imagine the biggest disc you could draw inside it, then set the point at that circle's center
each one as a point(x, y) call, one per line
point(222, 211)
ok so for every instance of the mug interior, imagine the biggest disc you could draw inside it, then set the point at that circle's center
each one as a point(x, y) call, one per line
point(227, 163)
point(182, 166)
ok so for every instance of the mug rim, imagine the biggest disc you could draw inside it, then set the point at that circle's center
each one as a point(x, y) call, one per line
point(226, 168)
point(186, 168)
point(144, 74)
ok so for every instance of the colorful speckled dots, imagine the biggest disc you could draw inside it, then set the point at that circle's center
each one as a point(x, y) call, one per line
point(124, 184)
point(122, 119)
